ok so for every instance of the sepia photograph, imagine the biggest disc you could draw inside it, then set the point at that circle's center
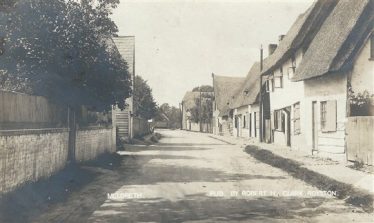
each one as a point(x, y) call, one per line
point(195, 111)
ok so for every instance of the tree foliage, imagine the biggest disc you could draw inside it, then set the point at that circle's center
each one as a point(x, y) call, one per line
point(361, 103)
point(144, 103)
point(171, 112)
point(61, 49)
point(202, 112)
point(203, 88)
point(7, 4)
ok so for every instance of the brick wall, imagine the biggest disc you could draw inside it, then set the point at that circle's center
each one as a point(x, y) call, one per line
point(28, 155)
point(92, 142)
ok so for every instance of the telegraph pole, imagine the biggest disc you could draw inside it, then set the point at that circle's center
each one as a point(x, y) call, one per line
point(260, 98)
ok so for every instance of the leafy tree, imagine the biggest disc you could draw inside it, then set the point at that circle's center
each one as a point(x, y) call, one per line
point(61, 49)
point(144, 103)
point(173, 113)
point(203, 88)
point(203, 112)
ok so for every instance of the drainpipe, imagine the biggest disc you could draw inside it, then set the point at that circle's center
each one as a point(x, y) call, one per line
point(260, 98)
point(214, 130)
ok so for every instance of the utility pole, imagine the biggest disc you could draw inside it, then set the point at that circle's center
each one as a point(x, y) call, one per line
point(260, 98)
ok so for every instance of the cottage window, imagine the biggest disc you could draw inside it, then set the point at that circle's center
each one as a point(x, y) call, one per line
point(291, 70)
point(267, 85)
point(244, 121)
point(372, 46)
point(293, 62)
point(278, 79)
point(328, 116)
point(236, 122)
point(279, 120)
point(296, 118)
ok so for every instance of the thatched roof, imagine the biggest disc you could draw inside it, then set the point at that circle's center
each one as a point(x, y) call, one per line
point(249, 90)
point(338, 40)
point(224, 88)
point(300, 34)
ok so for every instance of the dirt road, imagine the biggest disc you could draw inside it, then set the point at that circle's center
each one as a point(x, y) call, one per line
point(190, 177)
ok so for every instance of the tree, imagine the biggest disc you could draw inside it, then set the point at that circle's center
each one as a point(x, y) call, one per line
point(61, 49)
point(173, 113)
point(144, 103)
point(203, 88)
point(203, 112)
point(203, 109)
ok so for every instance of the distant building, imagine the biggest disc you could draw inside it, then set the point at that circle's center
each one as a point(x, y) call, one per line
point(224, 90)
point(189, 105)
point(123, 120)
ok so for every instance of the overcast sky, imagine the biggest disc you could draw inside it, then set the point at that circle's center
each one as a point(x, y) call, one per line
point(179, 43)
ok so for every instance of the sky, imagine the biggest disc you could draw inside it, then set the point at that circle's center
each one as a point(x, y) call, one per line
point(180, 43)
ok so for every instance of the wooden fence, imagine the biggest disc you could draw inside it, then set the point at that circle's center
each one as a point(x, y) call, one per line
point(27, 111)
point(360, 139)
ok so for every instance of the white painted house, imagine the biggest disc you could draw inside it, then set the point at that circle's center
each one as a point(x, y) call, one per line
point(245, 106)
point(287, 125)
point(308, 75)
point(340, 56)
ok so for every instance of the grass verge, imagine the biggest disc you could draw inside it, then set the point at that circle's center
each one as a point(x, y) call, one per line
point(344, 191)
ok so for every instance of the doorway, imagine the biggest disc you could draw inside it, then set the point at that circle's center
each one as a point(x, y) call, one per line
point(287, 121)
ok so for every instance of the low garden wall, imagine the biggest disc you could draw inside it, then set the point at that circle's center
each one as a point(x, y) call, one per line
point(31, 154)
point(28, 155)
point(91, 142)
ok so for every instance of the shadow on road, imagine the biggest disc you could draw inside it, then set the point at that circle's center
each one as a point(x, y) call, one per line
point(199, 208)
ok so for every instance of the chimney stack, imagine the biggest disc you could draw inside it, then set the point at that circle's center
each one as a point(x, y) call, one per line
point(272, 48)
point(281, 37)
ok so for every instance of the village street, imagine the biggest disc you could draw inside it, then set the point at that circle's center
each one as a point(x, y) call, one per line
point(189, 177)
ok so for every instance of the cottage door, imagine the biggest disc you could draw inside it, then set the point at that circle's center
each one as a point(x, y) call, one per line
point(288, 125)
point(314, 126)
point(238, 126)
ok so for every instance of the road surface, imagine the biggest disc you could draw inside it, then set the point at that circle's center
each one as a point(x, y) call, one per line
point(191, 177)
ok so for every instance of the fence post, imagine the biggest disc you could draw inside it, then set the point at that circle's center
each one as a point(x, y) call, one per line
point(72, 126)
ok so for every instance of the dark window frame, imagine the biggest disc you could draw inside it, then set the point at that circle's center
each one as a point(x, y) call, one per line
point(323, 114)
point(296, 119)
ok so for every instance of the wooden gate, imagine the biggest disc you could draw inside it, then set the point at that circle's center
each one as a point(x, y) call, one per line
point(360, 139)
